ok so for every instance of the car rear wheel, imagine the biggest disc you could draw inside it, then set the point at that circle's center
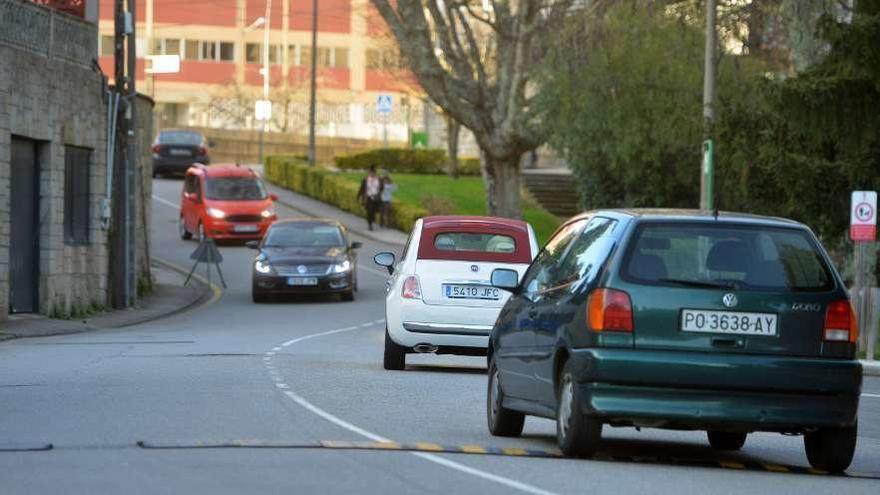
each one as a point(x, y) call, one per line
point(395, 355)
point(577, 434)
point(726, 440)
point(502, 421)
point(831, 449)
point(181, 229)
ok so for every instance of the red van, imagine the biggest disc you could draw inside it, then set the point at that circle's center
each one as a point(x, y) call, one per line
point(224, 202)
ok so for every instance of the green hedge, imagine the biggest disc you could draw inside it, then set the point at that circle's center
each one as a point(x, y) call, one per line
point(406, 161)
point(293, 173)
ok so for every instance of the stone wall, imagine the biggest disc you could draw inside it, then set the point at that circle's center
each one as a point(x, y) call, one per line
point(50, 92)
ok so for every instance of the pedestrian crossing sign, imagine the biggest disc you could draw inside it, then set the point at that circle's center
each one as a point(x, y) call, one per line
point(383, 104)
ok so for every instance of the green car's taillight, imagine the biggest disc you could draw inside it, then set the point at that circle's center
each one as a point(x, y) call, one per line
point(840, 323)
point(610, 310)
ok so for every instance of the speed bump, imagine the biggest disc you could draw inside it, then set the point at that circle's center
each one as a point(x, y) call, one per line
point(471, 449)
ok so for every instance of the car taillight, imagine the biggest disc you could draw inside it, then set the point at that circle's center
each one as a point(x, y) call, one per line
point(840, 323)
point(411, 288)
point(203, 152)
point(157, 148)
point(610, 310)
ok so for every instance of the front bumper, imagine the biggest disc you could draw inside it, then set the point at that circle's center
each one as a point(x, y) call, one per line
point(222, 229)
point(327, 284)
point(691, 390)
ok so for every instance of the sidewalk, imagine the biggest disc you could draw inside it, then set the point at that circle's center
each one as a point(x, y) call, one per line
point(169, 297)
point(870, 368)
point(314, 208)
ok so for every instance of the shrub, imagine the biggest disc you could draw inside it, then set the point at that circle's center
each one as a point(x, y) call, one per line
point(404, 160)
point(437, 205)
point(319, 183)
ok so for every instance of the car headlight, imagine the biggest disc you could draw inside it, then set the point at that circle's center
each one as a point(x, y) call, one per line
point(214, 212)
point(342, 267)
point(268, 213)
point(262, 266)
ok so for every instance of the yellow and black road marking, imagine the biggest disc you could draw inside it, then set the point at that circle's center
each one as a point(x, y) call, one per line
point(741, 465)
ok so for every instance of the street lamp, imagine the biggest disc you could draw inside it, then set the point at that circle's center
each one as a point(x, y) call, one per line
point(263, 108)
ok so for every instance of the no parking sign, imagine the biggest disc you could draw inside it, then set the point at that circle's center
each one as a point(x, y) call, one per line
point(863, 216)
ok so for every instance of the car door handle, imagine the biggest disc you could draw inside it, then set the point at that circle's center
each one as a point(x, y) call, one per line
point(533, 313)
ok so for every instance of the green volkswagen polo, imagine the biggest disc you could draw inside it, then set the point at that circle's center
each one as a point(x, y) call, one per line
point(727, 323)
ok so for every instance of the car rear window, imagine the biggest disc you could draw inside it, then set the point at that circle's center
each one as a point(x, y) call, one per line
point(304, 235)
point(475, 244)
point(732, 256)
point(234, 188)
point(180, 137)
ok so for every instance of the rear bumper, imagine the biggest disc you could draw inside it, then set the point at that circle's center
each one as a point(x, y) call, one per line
point(177, 165)
point(702, 390)
point(412, 322)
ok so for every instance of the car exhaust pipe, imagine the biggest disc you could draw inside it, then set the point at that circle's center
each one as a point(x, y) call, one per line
point(425, 348)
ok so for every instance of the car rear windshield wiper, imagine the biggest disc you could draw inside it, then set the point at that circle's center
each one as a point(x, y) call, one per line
point(700, 284)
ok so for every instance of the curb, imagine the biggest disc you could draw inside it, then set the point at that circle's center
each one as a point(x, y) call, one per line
point(210, 293)
point(870, 368)
point(359, 232)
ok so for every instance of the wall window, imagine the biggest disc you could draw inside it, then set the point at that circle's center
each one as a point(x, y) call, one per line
point(226, 51)
point(384, 59)
point(107, 47)
point(77, 165)
point(341, 58)
point(165, 47)
point(192, 50)
point(208, 50)
point(374, 59)
point(324, 55)
point(305, 56)
point(254, 53)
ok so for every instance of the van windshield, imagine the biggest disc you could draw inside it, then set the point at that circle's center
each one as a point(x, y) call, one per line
point(727, 256)
point(234, 189)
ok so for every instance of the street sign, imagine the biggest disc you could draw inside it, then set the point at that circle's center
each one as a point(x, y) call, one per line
point(208, 254)
point(419, 140)
point(863, 216)
point(164, 64)
point(384, 104)
point(263, 110)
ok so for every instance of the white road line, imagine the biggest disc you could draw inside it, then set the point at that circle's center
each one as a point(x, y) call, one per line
point(166, 202)
point(523, 487)
point(875, 396)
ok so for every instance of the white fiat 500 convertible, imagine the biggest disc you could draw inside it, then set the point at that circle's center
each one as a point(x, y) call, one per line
point(439, 299)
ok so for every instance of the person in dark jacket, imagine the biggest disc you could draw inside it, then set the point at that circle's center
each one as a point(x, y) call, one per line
point(370, 195)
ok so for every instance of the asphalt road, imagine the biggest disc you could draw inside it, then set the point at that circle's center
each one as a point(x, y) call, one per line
point(300, 372)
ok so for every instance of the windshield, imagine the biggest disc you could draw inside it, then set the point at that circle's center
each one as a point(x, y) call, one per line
point(180, 137)
point(719, 256)
point(304, 235)
point(234, 188)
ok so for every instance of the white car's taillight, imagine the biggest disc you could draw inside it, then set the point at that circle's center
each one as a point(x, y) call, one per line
point(411, 288)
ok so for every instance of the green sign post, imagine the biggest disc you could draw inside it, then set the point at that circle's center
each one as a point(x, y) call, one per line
point(418, 140)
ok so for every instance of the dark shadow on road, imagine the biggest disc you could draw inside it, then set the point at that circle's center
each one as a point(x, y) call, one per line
point(431, 368)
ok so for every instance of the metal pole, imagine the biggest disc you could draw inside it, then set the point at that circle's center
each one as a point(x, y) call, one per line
point(708, 168)
point(131, 164)
point(117, 222)
point(268, 18)
point(313, 87)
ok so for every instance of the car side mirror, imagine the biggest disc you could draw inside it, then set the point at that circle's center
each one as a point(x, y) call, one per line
point(253, 244)
point(505, 279)
point(273, 197)
point(356, 245)
point(385, 259)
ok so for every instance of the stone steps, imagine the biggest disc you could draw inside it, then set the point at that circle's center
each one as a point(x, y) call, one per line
point(554, 190)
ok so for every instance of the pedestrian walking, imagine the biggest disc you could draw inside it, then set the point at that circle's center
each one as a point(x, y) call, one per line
point(370, 194)
point(388, 188)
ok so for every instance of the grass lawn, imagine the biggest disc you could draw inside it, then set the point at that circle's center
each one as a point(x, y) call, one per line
point(468, 195)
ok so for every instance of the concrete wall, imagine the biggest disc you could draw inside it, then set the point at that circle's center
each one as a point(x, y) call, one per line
point(50, 92)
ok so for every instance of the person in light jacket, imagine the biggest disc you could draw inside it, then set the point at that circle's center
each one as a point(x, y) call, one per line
point(370, 194)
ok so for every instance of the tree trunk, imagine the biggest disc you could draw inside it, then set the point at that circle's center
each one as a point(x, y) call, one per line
point(502, 181)
point(452, 131)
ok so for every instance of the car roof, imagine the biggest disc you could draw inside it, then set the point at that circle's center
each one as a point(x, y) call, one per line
point(295, 221)
point(224, 170)
point(674, 214)
point(447, 221)
point(173, 129)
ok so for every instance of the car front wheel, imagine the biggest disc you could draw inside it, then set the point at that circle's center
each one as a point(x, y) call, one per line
point(577, 434)
point(502, 421)
point(725, 440)
point(395, 355)
point(831, 449)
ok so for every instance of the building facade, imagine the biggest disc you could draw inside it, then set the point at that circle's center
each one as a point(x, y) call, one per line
point(54, 251)
point(220, 44)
